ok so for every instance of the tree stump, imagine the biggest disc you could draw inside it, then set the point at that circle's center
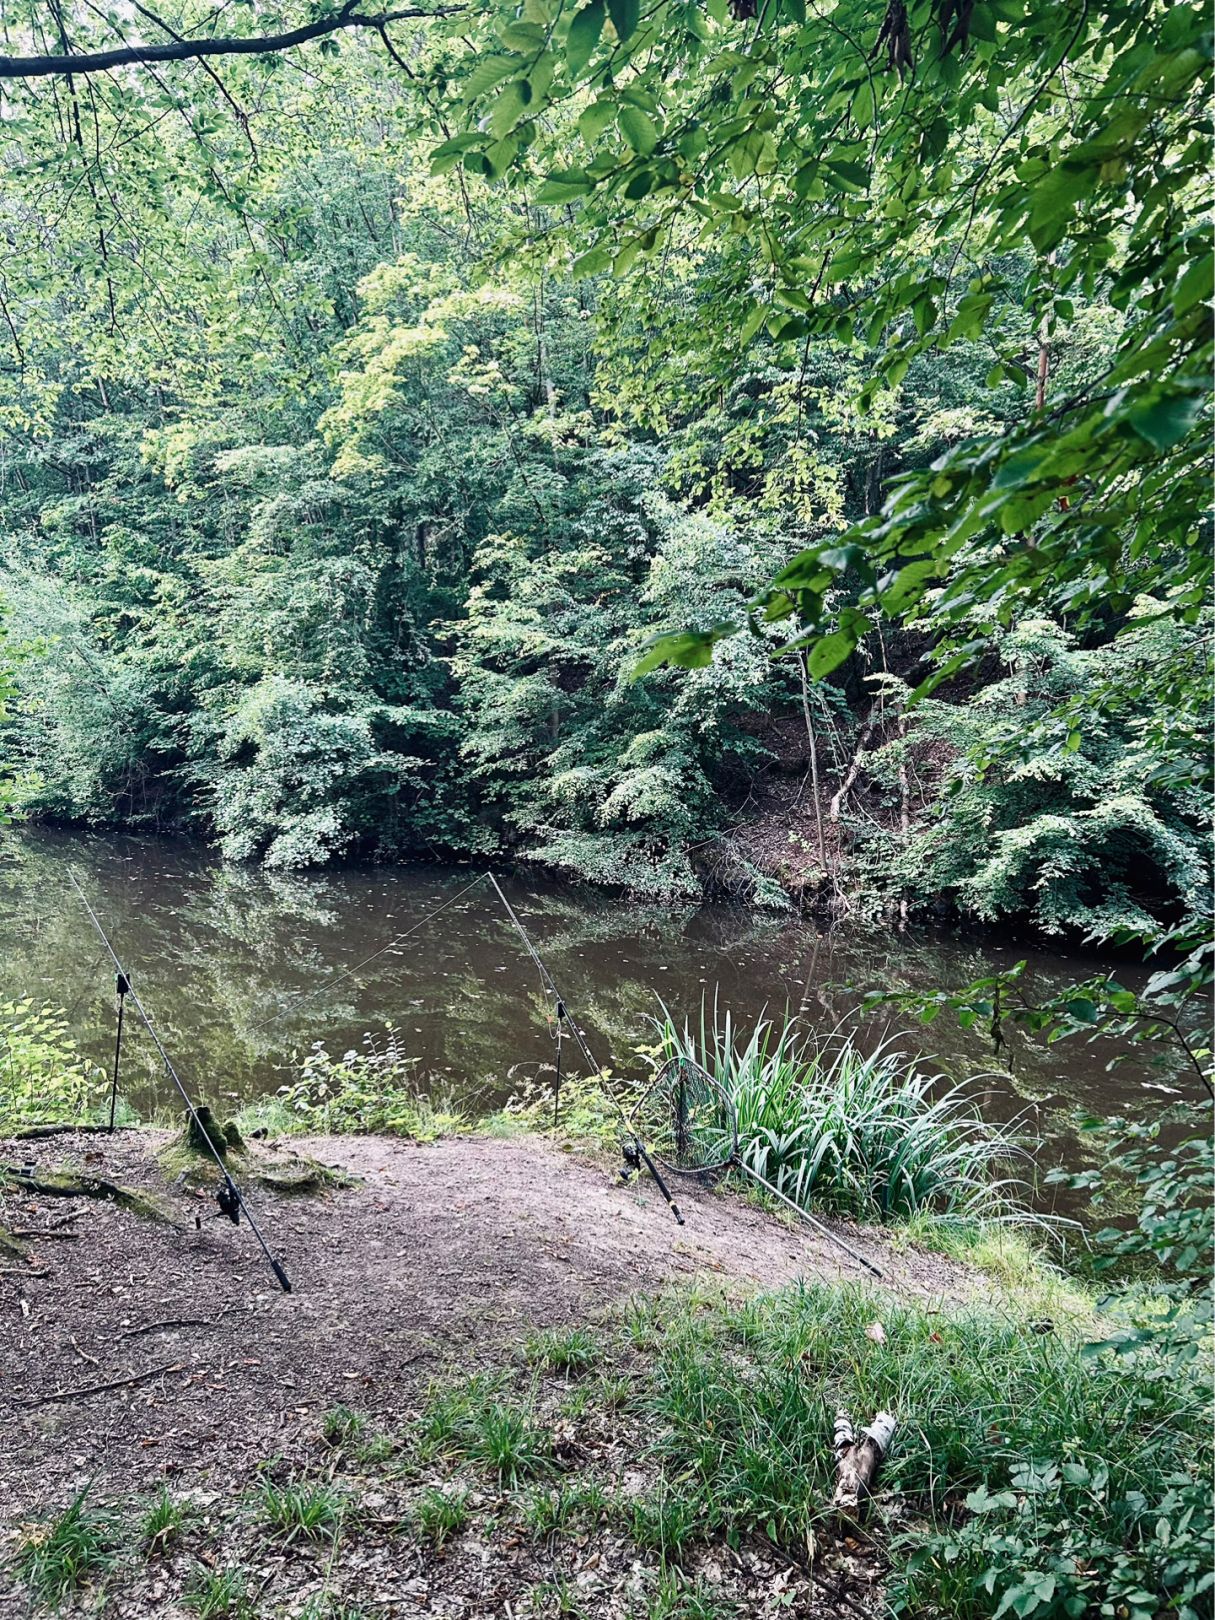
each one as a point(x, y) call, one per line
point(204, 1135)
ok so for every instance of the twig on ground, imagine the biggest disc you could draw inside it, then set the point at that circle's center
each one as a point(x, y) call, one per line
point(82, 1390)
point(173, 1322)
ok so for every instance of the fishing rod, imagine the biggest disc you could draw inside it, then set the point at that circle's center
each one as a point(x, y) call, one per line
point(634, 1148)
point(229, 1196)
point(691, 1123)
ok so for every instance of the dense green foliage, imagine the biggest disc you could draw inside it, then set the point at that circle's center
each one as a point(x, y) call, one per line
point(342, 486)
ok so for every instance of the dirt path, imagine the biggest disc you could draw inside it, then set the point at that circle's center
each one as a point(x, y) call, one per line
point(437, 1257)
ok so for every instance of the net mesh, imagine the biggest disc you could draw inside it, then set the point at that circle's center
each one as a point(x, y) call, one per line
point(686, 1120)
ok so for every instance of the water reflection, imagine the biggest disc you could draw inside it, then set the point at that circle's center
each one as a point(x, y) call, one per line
point(242, 968)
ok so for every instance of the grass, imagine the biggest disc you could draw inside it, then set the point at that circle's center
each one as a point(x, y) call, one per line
point(866, 1134)
point(219, 1594)
point(440, 1514)
point(162, 1523)
point(312, 1511)
point(1017, 1450)
point(473, 1420)
point(61, 1555)
point(342, 1427)
point(507, 1438)
point(666, 1520)
point(1007, 1254)
point(549, 1512)
point(574, 1351)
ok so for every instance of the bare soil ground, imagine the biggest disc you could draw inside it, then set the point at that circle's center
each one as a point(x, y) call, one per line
point(134, 1352)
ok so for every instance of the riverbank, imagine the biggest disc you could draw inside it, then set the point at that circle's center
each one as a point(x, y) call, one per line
point(505, 1385)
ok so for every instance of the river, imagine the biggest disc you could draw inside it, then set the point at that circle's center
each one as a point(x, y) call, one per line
point(243, 970)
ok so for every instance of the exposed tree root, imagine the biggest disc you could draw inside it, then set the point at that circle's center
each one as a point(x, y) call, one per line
point(62, 1184)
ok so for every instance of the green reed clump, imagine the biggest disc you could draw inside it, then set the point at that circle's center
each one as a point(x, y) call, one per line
point(868, 1134)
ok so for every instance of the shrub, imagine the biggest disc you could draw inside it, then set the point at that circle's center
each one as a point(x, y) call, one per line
point(870, 1135)
point(372, 1089)
point(43, 1080)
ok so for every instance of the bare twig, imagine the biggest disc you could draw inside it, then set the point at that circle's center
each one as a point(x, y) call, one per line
point(82, 1390)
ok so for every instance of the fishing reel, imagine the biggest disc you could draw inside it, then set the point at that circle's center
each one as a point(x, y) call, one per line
point(228, 1199)
point(630, 1152)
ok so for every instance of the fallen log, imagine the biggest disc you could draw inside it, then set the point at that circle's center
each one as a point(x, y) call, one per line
point(857, 1460)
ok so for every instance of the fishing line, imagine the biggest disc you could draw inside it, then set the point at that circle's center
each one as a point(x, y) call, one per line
point(310, 996)
point(230, 1198)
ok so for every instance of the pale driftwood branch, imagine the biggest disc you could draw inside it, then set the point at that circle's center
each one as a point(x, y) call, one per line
point(857, 1461)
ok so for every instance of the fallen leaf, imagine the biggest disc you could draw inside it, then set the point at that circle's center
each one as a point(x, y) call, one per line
point(876, 1332)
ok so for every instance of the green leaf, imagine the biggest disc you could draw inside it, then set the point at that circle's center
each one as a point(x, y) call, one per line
point(851, 176)
point(863, 105)
point(625, 15)
point(564, 186)
point(1166, 422)
point(638, 129)
point(583, 36)
point(595, 119)
point(487, 72)
point(829, 652)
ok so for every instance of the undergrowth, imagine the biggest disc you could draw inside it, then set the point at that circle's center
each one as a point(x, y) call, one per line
point(1043, 1477)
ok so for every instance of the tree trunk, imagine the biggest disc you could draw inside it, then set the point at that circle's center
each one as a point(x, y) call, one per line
point(812, 746)
point(845, 787)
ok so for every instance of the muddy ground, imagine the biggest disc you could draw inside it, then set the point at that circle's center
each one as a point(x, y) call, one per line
point(134, 1352)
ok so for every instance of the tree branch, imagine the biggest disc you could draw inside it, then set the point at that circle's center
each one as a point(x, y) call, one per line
point(185, 50)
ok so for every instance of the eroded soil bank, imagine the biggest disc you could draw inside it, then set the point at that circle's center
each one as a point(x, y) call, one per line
point(134, 1352)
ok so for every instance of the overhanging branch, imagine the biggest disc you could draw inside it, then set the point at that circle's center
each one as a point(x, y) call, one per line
point(185, 50)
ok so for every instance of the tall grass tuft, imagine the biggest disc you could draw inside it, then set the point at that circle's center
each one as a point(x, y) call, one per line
point(867, 1134)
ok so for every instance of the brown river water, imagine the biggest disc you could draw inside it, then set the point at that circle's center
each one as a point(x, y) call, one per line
point(240, 969)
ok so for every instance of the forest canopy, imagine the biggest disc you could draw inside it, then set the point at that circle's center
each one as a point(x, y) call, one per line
point(390, 403)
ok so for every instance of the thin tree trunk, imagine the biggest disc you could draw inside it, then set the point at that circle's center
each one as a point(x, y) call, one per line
point(904, 809)
point(845, 787)
point(812, 745)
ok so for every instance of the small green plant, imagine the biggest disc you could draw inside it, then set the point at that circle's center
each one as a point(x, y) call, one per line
point(572, 1351)
point(586, 1113)
point(43, 1080)
point(377, 1448)
point(312, 1511)
point(557, 1599)
point(675, 1597)
point(613, 1392)
point(440, 1514)
point(664, 1520)
point(162, 1523)
point(448, 1412)
point(342, 1427)
point(60, 1555)
point(219, 1594)
point(510, 1441)
point(548, 1512)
